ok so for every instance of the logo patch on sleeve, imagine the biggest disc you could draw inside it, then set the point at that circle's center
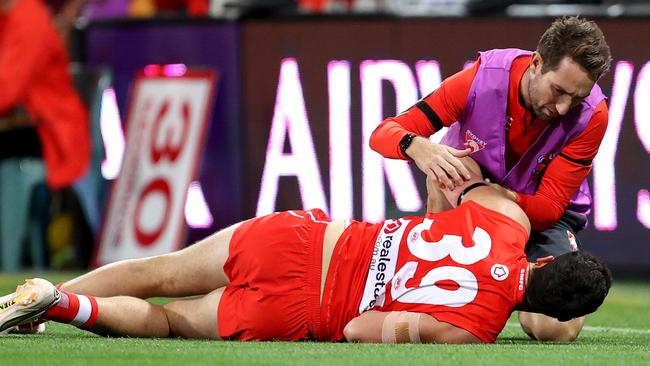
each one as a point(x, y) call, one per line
point(499, 272)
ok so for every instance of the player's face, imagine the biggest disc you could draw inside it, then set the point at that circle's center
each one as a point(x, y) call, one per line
point(554, 92)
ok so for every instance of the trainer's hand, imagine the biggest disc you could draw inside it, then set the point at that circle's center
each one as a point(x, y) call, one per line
point(441, 161)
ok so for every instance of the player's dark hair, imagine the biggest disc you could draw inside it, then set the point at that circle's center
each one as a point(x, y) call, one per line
point(578, 38)
point(572, 285)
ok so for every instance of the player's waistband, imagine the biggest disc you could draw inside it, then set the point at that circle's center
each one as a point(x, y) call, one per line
point(316, 221)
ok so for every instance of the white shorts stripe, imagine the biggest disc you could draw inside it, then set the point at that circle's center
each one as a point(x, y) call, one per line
point(313, 218)
point(85, 309)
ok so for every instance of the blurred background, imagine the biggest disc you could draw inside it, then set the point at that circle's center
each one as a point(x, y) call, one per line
point(323, 73)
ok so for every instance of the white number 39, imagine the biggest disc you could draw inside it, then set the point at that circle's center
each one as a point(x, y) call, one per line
point(450, 245)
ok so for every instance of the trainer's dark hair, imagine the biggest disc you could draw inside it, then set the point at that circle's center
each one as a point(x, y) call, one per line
point(572, 285)
point(578, 38)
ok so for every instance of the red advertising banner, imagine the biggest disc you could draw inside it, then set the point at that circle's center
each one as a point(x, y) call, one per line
point(166, 129)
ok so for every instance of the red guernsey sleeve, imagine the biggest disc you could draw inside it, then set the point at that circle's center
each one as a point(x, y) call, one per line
point(564, 174)
point(439, 109)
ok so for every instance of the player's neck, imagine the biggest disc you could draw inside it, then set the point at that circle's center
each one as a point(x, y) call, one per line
point(524, 305)
point(469, 190)
point(529, 271)
point(497, 200)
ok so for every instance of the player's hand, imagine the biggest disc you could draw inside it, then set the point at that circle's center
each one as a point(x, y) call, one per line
point(439, 161)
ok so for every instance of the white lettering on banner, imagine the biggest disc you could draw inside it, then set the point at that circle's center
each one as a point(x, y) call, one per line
point(290, 120)
point(603, 170)
point(397, 172)
point(165, 133)
point(382, 263)
point(641, 118)
point(429, 76)
point(111, 126)
point(197, 212)
point(338, 76)
point(643, 207)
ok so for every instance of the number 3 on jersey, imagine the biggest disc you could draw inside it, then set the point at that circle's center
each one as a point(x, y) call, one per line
point(450, 245)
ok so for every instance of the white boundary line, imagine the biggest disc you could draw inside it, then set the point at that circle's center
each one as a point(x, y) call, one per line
point(589, 328)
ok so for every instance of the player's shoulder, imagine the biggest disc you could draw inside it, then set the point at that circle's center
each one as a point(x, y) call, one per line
point(497, 213)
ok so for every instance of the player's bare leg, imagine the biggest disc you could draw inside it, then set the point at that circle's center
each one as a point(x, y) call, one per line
point(195, 270)
point(114, 316)
point(545, 328)
point(195, 318)
point(132, 317)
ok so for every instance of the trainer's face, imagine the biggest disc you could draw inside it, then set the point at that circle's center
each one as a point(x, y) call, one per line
point(553, 93)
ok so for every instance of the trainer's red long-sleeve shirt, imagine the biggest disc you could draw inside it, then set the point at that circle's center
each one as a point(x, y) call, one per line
point(564, 174)
point(34, 73)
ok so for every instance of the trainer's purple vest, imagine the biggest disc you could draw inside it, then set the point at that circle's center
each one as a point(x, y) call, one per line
point(484, 120)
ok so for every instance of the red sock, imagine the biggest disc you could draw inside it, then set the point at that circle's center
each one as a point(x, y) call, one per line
point(78, 310)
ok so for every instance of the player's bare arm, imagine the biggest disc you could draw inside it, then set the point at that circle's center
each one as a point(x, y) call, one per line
point(404, 327)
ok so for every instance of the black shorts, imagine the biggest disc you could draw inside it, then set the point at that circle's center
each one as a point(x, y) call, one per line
point(559, 239)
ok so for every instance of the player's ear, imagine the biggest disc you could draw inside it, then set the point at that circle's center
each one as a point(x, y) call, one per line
point(541, 262)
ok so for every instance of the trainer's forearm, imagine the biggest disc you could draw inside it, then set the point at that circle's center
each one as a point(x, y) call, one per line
point(386, 137)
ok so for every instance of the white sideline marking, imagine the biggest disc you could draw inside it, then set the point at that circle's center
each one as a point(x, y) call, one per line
point(589, 328)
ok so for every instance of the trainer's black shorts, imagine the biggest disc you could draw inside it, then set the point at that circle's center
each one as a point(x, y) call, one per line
point(559, 239)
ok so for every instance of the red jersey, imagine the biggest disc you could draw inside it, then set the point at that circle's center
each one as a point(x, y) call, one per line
point(465, 267)
point(562, 177)
point(34, 73)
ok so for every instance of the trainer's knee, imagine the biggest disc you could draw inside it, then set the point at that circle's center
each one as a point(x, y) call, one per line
point(545, 328)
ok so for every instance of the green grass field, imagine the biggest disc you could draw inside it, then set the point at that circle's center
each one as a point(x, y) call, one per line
point(618, 334)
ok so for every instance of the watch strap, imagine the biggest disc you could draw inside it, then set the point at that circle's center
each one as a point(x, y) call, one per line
point(406, 141)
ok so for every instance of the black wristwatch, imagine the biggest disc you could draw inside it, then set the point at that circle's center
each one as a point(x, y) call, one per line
point(406, 141)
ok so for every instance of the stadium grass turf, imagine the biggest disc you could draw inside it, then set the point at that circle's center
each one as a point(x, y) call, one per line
point(618, 334)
